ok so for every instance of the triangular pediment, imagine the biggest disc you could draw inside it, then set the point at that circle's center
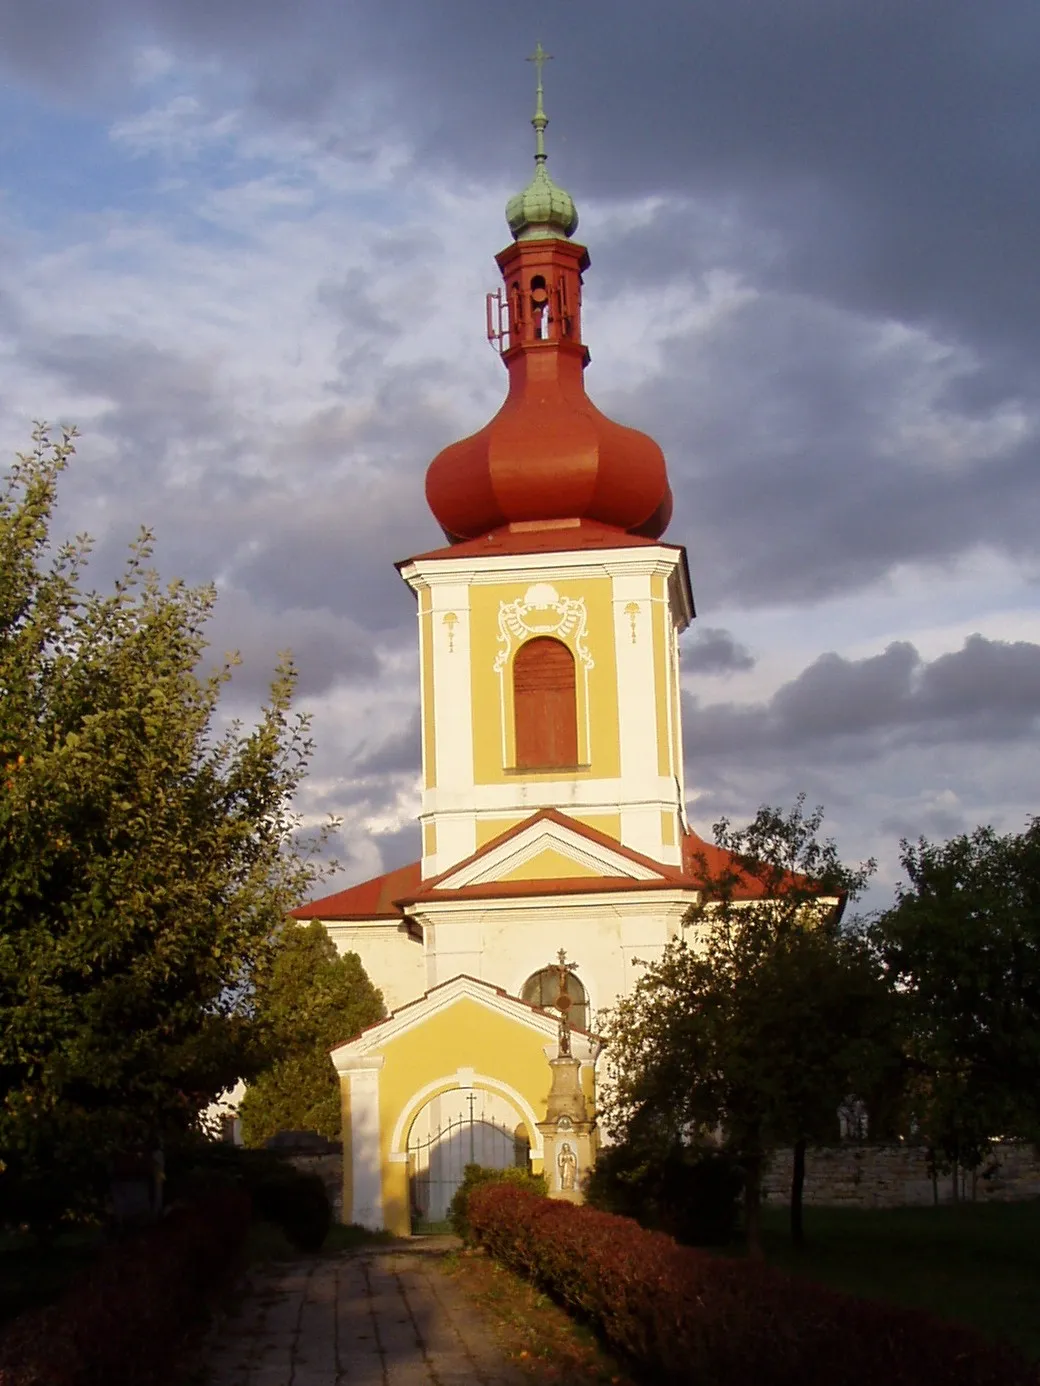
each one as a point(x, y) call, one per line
point(457, 992)
point(549, 846)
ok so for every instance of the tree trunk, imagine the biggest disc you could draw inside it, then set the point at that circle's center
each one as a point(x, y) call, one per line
point(753, 1207)
point(797, 1188)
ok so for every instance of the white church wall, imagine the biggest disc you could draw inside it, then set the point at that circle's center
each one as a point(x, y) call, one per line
point(393, 960)
point(608, 936)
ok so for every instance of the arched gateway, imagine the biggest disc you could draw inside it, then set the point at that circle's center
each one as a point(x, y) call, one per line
point(460, 1127)
point(414, 1107)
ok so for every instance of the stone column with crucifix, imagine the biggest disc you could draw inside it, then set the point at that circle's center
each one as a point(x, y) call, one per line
point(568, 1134)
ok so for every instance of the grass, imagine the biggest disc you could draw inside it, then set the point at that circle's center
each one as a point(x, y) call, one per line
point(267, 1242)
point(422, 1228)
point(537, 1334)
point(976, 1263)
point(349, 1236)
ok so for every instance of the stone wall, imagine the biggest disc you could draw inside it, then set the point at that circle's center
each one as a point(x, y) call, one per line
point(329, 1167)
point(896, 1176)
point(850, 1176)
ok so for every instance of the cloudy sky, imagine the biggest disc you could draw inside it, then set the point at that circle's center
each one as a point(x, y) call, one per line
point(245, 245)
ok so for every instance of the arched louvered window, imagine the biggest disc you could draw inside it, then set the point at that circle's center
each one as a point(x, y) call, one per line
point(544, 987)
point(545, 706)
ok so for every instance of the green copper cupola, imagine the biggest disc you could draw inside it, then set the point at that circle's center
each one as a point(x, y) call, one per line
point(542, 211)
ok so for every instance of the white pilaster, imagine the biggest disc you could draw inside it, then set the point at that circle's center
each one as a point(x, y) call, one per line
point(453, 717)
point(638, 722)
point(366, 1173)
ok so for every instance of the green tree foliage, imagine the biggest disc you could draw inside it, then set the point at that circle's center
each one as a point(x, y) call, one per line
point(314, 999)
point(961, 946)
point(146, 857)
point(762, 1017)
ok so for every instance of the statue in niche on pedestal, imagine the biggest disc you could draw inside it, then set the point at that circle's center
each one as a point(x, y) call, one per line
point(567, 1164)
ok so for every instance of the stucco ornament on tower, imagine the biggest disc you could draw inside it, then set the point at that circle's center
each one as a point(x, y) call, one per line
point(542, 611)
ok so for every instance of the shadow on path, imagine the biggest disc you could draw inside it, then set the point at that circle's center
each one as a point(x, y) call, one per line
point(378, 1316)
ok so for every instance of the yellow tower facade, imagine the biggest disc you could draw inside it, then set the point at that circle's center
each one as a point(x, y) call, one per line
point(617, 612)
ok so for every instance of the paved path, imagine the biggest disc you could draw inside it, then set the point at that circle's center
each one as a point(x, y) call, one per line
point(379, 1317)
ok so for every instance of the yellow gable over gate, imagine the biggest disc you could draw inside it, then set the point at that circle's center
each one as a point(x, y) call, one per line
point(463, 1037)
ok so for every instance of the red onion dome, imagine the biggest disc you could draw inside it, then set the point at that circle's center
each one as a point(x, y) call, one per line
point(549, 454)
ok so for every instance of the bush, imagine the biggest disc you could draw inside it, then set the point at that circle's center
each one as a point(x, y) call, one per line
point(124, 1320)
point(199, 1167)
point(475, 1177)
point(296, 1202)
point(683, 1315)
point(691, 1192)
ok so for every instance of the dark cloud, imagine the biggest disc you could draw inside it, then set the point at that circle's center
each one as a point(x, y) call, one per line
point(853, 710)
point(929, 822)
point(988, 679)
point(863, 170)
point(400, 847)
point(849, 155)
point(795, 475)
point(327, 650)
point(890, 151)
point(399, 753)
point(842, 697)
point(714, 651)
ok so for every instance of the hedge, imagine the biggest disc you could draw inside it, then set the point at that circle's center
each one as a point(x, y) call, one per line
point(476, 1177)
point(683, 1315)
point(123, 1322)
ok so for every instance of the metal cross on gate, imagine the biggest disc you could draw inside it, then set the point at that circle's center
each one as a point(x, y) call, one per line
point(472, 1100)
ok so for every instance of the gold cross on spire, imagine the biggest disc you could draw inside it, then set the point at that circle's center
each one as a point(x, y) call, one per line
point(539, 57)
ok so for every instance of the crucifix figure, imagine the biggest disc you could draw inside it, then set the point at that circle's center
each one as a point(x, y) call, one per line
point(563, 1002)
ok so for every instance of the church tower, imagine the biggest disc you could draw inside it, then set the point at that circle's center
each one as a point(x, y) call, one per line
point(548, 625)
point(556, 856)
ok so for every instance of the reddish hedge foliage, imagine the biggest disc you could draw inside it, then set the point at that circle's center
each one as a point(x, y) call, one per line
point(121, 1324)
point(686, 1316)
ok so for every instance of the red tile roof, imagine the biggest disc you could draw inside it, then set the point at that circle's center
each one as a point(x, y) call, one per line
point(372, 899)
point(563, 820)
point(384, 896)
point(703, 860)
point(548, 538)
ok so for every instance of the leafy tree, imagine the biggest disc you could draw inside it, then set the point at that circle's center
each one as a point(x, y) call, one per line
point(961, 946)
point(762, 1017)
point(146, 858)
point(314, 999)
